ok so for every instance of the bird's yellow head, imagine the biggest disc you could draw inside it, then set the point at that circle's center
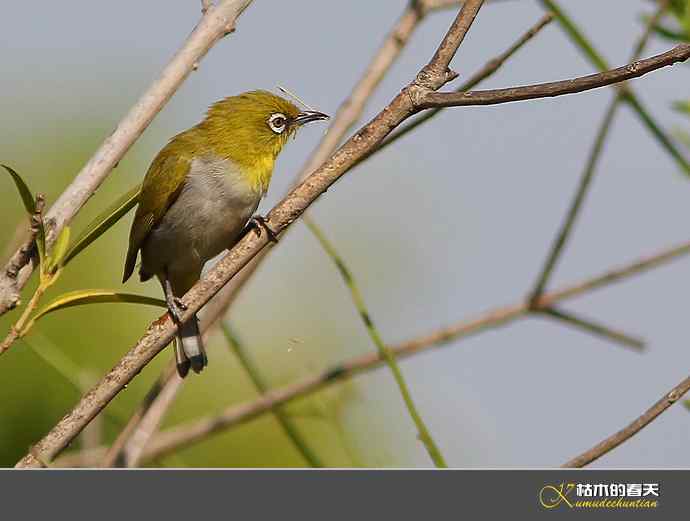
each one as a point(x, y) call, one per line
point(251, 129)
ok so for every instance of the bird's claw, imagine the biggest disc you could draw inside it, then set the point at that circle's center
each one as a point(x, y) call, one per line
point(258, 222)
point(176, 307)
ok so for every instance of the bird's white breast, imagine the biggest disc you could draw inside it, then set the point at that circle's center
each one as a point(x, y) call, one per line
point(211, 210)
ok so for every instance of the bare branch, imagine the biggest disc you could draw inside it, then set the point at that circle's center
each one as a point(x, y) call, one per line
point(198, 430)
point(213, 26)
point(633, 428)
point(486, 71)
point(436, 73)
point(166, 386)
point(636, 69)
point(351, 108)
point(594, 328)
point(590, 167)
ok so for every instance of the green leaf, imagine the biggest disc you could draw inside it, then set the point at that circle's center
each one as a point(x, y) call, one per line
point(30, 206)
point(24, 191)
point(59, 249)
point(103, 222)
point(84, 297)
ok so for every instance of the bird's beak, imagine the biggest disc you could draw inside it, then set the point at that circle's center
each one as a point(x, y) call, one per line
point(308, 116)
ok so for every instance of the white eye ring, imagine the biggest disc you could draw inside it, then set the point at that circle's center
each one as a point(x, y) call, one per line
point(277, 122)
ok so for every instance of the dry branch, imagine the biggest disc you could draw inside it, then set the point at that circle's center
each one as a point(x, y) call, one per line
point(198, 430)
point(635, 69)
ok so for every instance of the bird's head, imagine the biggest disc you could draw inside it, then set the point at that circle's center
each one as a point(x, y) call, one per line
point(251, 129)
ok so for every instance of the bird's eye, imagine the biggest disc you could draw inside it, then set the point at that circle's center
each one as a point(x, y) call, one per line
point(277, 122)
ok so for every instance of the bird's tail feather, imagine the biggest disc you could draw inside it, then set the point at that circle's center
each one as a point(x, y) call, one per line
point(189, 348)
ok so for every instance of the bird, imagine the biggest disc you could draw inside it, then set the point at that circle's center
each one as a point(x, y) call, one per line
point(199, 195)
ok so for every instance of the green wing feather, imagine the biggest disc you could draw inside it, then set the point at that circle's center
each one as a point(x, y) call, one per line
point(161, 186)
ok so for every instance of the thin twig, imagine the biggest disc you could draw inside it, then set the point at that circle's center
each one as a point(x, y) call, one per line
point(215, 24)
point(198, 430)
point(680, 53)
point(161, 332)
point(384, 352)
point(600, 63)
point(590, 167)
point(631, 429)
point(485, 72)
point(594, 328)
point(291, 431)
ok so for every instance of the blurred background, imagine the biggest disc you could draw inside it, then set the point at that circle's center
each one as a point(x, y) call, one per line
point(482, 189)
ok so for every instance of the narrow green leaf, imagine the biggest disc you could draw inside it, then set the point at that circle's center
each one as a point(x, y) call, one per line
point(103, 222)
point(84, 297)
point(24, 191)
point(60, 248)
point(30, 207)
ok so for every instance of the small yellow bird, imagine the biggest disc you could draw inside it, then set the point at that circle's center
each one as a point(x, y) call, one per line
point(199, 194)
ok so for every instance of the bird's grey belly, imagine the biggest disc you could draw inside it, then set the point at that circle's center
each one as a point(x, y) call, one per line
point(206, 218)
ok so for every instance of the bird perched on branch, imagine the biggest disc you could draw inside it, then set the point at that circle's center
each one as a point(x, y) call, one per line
point(199, 194)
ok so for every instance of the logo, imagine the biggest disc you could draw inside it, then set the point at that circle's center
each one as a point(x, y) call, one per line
point(599, 495)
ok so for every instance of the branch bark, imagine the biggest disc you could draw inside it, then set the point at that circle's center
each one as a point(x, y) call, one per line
point(215, 24)
point(635, 69)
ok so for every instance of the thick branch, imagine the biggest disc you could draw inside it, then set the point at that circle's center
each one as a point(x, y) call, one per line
point(216, 23)
point(636, 69)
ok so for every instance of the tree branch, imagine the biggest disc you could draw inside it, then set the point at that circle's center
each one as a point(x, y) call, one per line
point(636, 69)
point(215, 24)
point(631, 99)
point(590, 167)
point(633, 428)
point(198, 430)
point(593, 328)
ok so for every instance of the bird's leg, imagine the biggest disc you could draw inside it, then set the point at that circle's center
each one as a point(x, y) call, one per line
point(175, 305)
point(258, 223)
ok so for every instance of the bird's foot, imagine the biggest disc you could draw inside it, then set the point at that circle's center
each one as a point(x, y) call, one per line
point(176, 307)
point(258, 223)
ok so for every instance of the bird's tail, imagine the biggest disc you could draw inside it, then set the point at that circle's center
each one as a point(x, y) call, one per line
point(189, 348)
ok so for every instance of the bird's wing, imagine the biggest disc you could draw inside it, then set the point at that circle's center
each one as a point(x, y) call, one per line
point(162, 185)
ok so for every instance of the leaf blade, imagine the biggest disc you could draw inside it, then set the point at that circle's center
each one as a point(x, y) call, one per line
point(84, 297)
point(103, 222)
